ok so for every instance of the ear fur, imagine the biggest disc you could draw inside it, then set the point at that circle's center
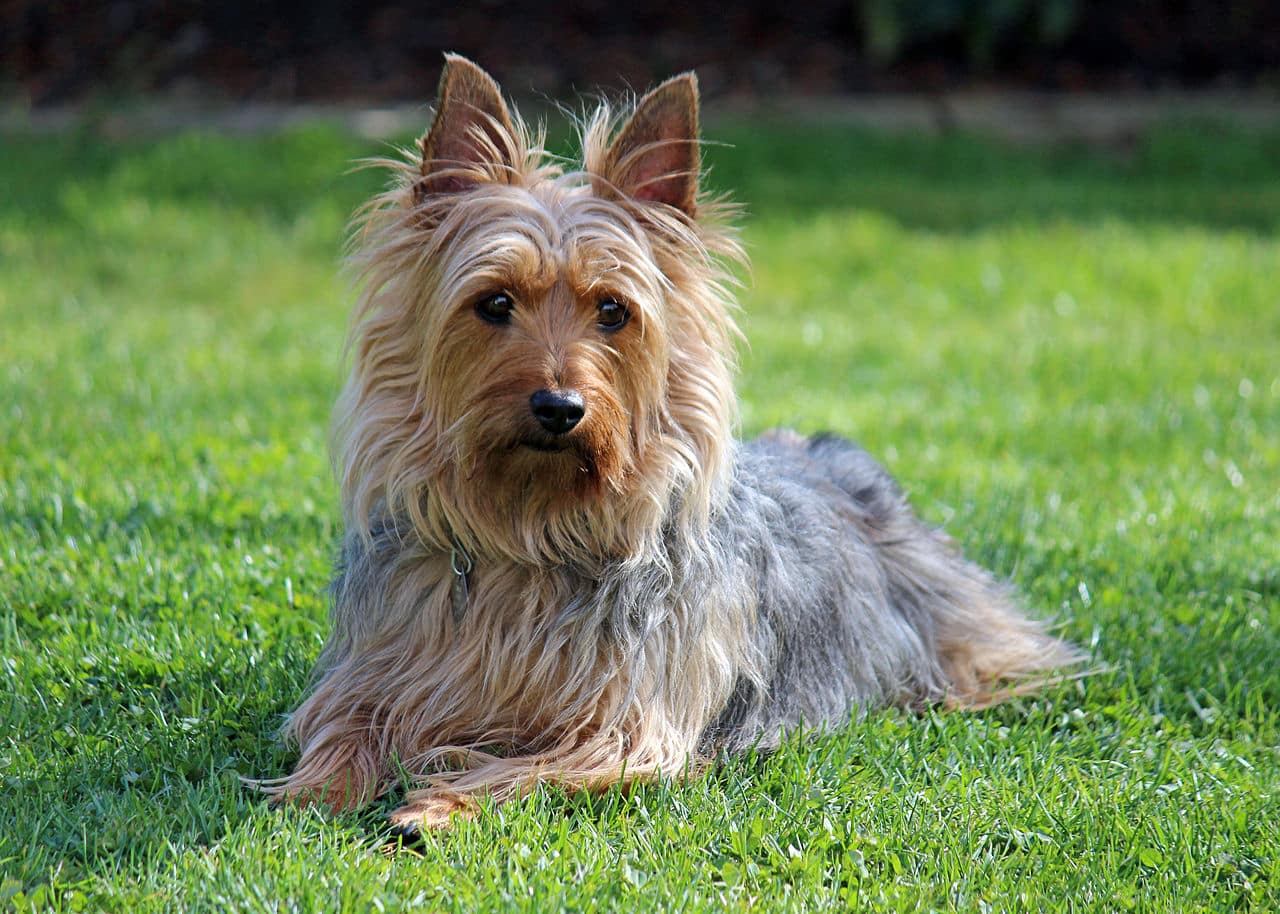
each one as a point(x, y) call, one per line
point(471, 136)
point(655, 157)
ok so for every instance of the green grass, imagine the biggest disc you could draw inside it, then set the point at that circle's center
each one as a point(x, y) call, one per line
point(1072, 359)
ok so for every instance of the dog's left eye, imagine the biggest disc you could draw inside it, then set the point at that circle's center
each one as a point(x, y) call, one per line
point(611, 315)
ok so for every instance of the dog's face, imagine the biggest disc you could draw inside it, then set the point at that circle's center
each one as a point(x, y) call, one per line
point(547, 343)
point(543, 357)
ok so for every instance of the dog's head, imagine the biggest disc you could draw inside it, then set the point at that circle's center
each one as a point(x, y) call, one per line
point(542, 356)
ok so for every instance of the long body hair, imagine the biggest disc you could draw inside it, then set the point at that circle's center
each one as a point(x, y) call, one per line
point(652, 592)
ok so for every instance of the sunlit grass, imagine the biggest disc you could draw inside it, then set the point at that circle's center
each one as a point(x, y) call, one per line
point(1071, 359)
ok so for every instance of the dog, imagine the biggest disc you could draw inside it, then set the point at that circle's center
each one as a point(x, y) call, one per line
point(560, 566)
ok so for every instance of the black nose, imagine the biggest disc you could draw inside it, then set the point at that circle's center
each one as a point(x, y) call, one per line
point(558, 411)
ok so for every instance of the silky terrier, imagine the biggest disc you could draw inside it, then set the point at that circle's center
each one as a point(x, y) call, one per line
point(560, 566)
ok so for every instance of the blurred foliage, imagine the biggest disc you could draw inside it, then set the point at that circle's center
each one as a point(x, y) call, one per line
point(384, 49)
point(982, 25)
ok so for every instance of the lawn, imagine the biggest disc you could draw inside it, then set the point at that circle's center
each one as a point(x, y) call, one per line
point(1071, 358)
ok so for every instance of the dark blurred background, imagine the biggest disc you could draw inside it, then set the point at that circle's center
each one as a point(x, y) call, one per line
point(389, 50)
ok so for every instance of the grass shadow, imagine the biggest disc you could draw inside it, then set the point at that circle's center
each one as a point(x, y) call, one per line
point(1197, 174)
point(167, 783)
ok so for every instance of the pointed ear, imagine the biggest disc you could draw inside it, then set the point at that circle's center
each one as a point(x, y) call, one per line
point(655, 157)
point(471, 133)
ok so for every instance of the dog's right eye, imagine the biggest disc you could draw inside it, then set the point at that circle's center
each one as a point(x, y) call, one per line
point(496, 308)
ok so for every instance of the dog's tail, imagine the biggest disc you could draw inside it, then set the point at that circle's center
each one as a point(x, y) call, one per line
point(989, 650)
point(986, 648)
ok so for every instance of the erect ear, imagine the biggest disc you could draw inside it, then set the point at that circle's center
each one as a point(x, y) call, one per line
point(471, 138)
point(655, 158)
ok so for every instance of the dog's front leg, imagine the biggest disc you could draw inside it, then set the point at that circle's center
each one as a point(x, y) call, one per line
point(340, 763)
point(603, 760)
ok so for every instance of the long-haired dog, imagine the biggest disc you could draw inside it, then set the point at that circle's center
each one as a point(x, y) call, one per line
point(560, 565)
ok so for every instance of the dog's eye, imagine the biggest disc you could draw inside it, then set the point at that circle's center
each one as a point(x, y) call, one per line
point(611, 315)
point(496, 308)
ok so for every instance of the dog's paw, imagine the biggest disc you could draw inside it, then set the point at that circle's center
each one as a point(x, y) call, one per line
point(428, 813)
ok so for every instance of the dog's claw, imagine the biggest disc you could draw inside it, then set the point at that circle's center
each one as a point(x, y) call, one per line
point(407, 831)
